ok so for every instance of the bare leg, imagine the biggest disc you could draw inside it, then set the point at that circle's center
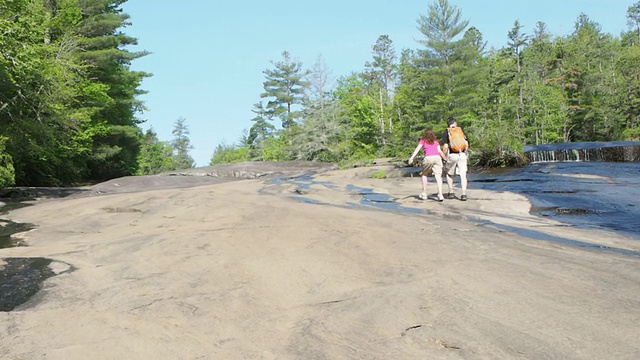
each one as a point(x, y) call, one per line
point(439, 184)
point(425, 182)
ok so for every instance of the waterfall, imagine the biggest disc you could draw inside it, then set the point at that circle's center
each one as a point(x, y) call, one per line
point(619, 151)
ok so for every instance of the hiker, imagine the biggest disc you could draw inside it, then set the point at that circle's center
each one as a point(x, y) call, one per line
point(455, 144)
point(432, 162)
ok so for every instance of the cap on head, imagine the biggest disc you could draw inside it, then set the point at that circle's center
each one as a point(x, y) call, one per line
point(451, 120)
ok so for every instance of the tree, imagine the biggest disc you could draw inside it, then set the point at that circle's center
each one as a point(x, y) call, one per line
point(414, 93)
point(261, 130)
point(517, 40)
point(629, 95)
point(380, 82)
point(285, 86)
point(155, 156)
point(7, 172)
point(181, 145)
point(360, 114)
point(225, 154)
point(546, 108)
point(321, 135)
point(116, 143)
point(44, 138)
point(440, 26)
point(446, 58)
point(633, 19)
point(318, 89)
point(68, 97)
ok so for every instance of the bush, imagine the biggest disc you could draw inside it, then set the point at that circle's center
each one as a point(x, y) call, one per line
point(379, 174)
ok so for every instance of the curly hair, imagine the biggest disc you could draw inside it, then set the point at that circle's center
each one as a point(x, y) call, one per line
point(429, 136)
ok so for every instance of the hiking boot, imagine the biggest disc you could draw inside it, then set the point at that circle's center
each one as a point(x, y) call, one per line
point(463, 198)
point(450, 196)
point(423, 196)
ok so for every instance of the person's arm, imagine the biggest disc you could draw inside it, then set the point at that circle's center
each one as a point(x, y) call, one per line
point(415, 152)
point(442, 154)
point(445, 143)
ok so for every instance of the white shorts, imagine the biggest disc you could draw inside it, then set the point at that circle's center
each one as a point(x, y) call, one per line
point(456, 161)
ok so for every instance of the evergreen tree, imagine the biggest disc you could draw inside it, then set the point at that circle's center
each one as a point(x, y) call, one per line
point(517, 40)
point(181, 145)
point(628, 95)
point(445, 65)
point(413, 97)
point(633, 20)
point(261, 130)
point(116, 141)
point(442, 24)
point(545, 103)
point(321, 136)
point(285, 87)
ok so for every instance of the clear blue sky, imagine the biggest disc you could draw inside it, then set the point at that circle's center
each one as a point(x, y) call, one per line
point(208, 56)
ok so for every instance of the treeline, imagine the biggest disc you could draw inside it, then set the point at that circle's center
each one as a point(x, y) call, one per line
point(537, 89)
point(68, 98)
point(69, 108)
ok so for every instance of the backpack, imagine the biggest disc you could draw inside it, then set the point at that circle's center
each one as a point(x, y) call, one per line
point(457, 142)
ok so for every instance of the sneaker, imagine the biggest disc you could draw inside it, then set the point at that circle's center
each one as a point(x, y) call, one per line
point(423, 196)
point(440, 198)
point(463, 197)
point(450, 196)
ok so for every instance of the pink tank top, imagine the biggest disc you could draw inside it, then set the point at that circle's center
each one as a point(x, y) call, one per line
point(430, 149)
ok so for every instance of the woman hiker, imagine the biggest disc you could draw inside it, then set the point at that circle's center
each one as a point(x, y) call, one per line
point(432, 163)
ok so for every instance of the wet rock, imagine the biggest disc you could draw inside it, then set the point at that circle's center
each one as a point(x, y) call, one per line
point(573, 211)
point(21, 278)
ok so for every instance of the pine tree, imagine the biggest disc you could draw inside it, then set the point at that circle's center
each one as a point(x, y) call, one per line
point(116, 141)
point(285, 86)
point(181, 145)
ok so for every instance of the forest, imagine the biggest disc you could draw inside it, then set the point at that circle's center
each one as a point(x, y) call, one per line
point(70, 108)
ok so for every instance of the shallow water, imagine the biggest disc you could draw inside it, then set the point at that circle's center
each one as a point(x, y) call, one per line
point(585, 194)
point(596, 194)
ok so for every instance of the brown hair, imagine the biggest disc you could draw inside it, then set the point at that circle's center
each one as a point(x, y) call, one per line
point(429, 136)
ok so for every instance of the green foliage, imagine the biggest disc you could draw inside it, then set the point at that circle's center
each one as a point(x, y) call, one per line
point(67, 96)
point(181, 145)
point(285, 85)
point(225, 154)
point(155, 156)
point(7, 172)
point(380, 174)
point(276, 148)
point(360, 115)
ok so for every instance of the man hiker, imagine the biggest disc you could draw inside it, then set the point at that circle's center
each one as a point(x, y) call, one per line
point(455, 145)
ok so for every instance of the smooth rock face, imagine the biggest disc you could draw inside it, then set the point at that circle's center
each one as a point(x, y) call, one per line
point(309, 267)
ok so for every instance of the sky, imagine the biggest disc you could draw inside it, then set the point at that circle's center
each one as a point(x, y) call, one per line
point(207, 57)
